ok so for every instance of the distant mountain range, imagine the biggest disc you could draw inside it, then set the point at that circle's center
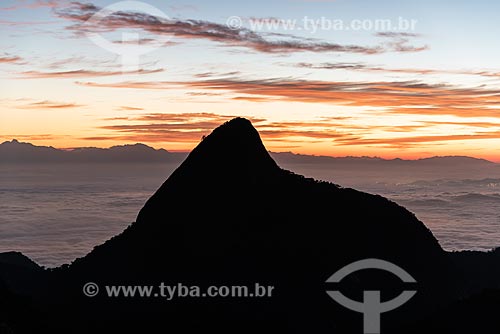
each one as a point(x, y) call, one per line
point(288, 157)
point(19, 152)
point(229, 215)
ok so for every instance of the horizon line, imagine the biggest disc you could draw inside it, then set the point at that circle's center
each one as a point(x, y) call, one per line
point(69, 149)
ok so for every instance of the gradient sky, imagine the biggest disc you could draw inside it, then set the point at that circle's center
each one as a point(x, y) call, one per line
point(379, 91)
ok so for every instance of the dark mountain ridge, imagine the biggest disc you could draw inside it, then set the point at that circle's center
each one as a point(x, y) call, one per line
point(317, 159)
point(17, 152)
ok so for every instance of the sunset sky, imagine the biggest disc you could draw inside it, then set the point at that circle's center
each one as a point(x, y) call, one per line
point(314, 76)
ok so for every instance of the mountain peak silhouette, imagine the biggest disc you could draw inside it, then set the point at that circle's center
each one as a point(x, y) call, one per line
point(229, 189)
point(230, 159)
point(233, 147)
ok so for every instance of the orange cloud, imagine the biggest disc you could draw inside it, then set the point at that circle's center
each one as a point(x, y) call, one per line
point(128, 108)
point(30, 137)
point(8, 59)
point(189, 127)
point(396, 97)
point(400, 97)
point(50, 105)
point(35, 4)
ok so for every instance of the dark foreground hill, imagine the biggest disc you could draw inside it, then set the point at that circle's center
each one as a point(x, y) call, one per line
point(230, 216)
